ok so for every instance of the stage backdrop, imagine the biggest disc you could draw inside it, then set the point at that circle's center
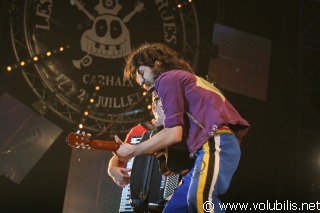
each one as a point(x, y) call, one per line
point(96, 36)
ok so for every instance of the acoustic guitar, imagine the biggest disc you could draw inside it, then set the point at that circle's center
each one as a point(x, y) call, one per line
point(173, 159)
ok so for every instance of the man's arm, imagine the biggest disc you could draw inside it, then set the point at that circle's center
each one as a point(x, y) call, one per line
point(164, 138)
point(118, 172)
point(114, 162)
point(116, 168)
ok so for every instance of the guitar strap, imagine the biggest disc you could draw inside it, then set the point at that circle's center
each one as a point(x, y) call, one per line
point(195, 120)
point(148, 125)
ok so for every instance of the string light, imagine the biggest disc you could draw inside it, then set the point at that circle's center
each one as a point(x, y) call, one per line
point(183, 3)
point(80, 126)
point(35, 58)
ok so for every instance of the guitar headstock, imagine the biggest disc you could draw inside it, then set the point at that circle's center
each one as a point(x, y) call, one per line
point(79, 141)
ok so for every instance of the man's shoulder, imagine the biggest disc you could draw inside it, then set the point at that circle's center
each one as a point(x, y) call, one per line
point(173, 77)
point(175, 74)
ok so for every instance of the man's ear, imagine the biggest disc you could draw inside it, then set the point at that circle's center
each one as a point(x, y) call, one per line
point(157, 63)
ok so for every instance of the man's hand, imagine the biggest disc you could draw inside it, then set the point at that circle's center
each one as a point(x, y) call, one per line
point(119, 175)
point(166, 137)
point(125, 151)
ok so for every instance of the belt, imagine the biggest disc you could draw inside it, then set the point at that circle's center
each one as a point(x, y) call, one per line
point(224, 129)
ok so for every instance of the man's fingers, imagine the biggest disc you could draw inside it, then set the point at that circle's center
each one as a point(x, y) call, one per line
point(122, 159)
point(117, 139)
point(125, 170)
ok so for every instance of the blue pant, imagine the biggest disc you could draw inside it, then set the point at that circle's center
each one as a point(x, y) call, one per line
point(214, 167)
point(178, 202)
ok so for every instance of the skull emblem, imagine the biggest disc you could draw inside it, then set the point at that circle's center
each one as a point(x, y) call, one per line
point(108, 38)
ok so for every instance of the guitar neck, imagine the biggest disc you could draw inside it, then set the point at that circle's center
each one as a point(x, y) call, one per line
point(105, 145)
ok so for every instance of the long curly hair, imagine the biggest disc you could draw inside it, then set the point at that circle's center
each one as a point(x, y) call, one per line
point(148, 53)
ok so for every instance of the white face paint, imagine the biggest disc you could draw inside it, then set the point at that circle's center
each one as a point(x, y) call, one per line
point(140, 77)
point(145, 77)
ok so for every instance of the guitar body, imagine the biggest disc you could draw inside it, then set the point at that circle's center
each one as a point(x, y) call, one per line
point(178, 159)
point(174, 158)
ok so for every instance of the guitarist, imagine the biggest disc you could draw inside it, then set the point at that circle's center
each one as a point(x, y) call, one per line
point(120, 175)
point(116, 168)
point(215, 130)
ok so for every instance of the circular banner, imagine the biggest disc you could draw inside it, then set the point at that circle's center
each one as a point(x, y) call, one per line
point(96, 36)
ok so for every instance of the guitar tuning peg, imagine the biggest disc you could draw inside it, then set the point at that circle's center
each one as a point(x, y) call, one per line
point(89, 134)
point(78, 132)
point(83, 133)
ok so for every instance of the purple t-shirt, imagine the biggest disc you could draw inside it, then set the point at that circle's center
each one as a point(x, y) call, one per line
point(182, 92)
